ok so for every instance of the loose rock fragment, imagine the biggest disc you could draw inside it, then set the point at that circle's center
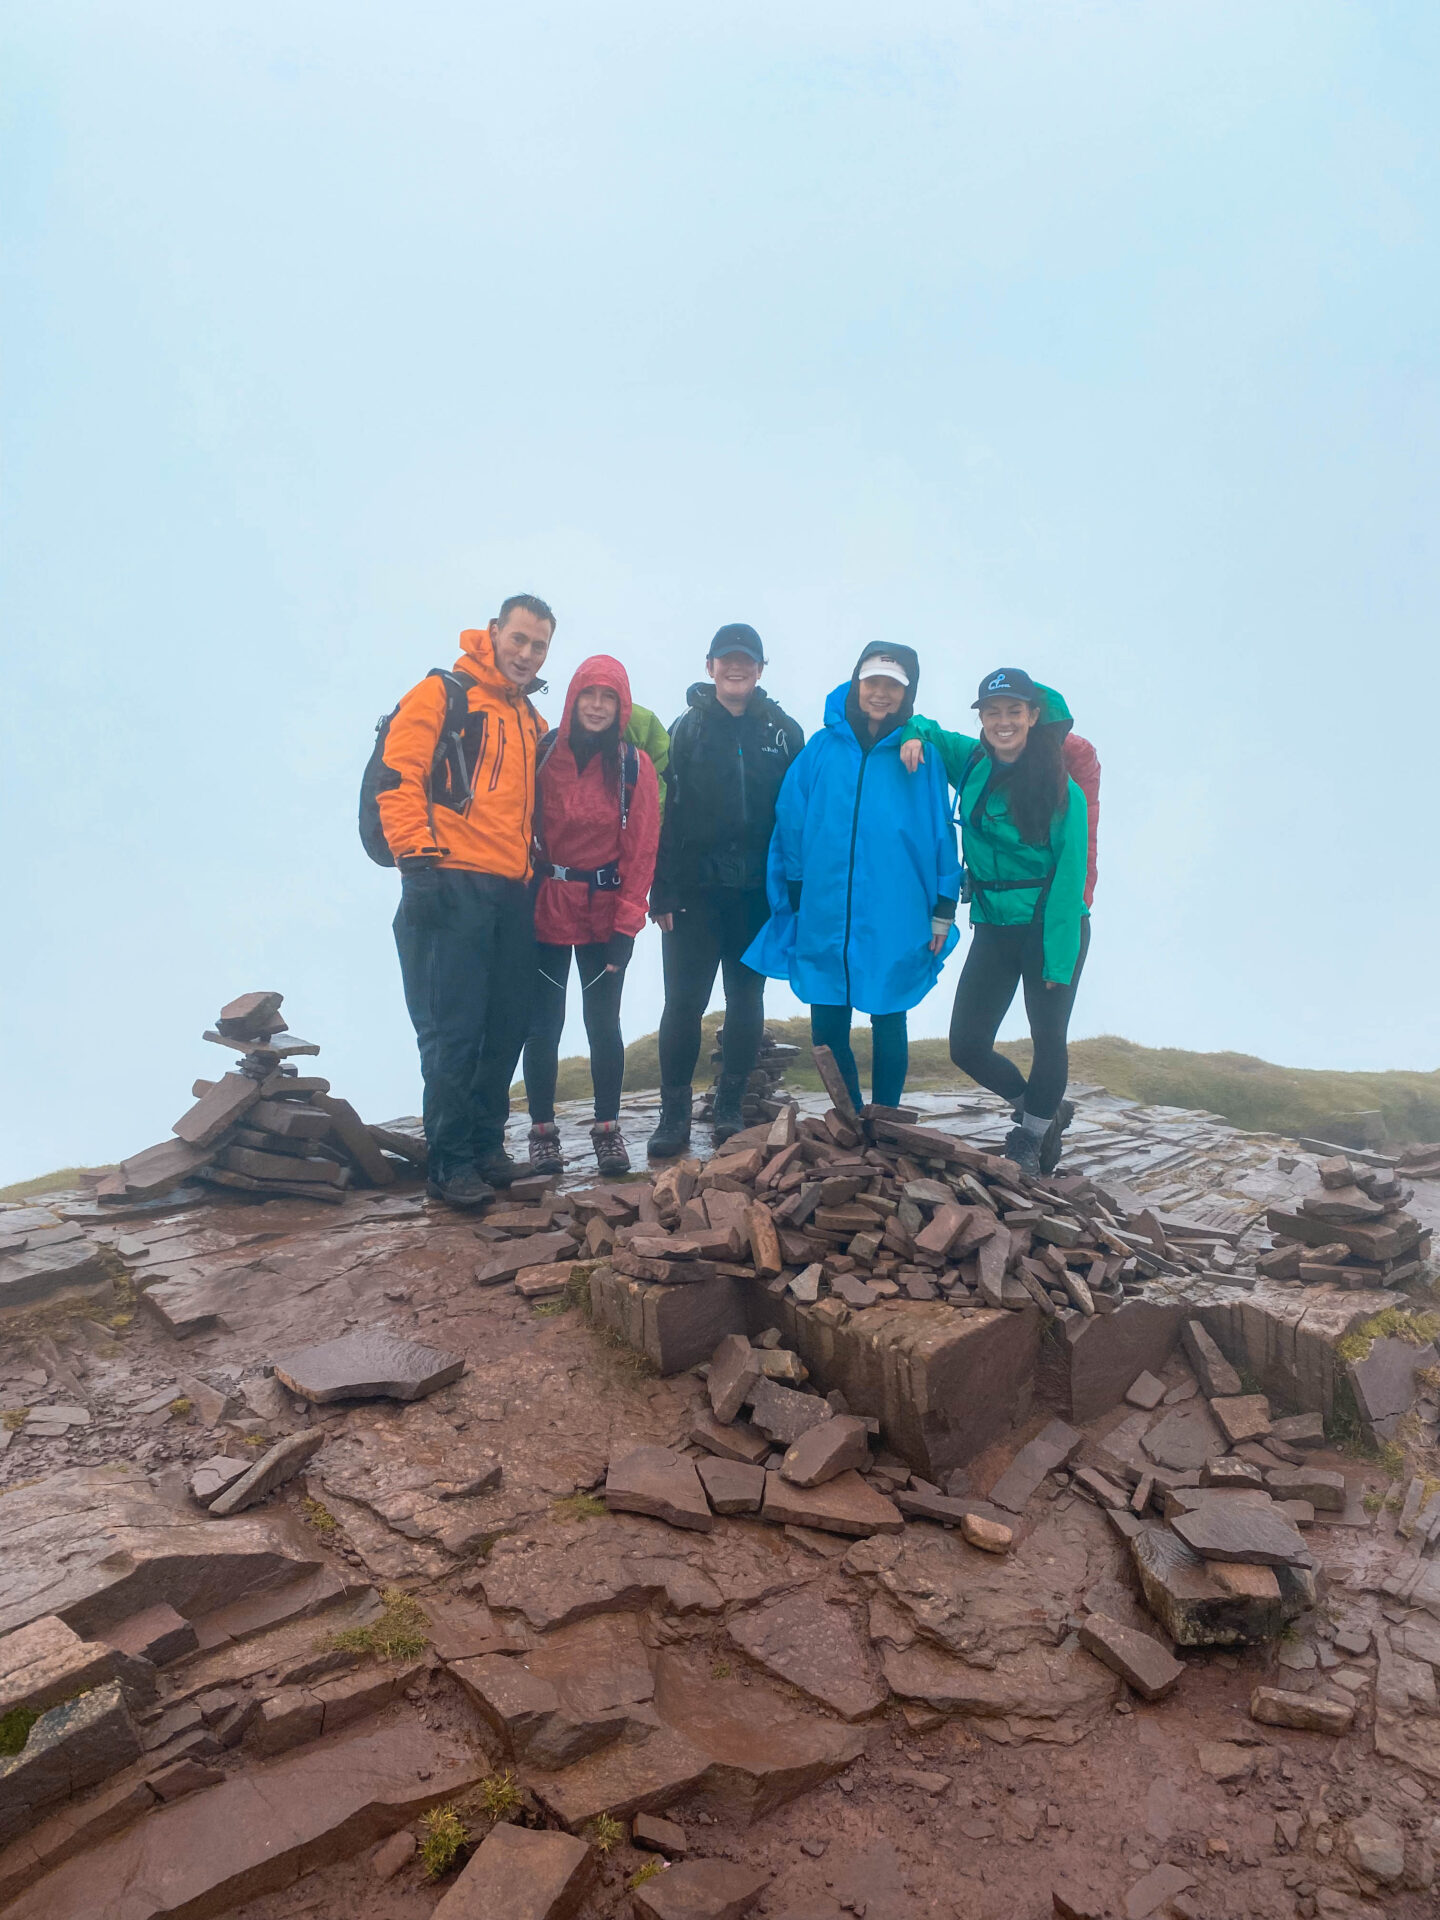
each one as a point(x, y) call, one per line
point(991, 1536)
point(283, 1461)
point(655, 1481)
point(842, 1505)
point(1246, 1417)
point(368, 1366)
point(701, 1890)
point(829, 1449)
point(1145, 1391)
point(1306, 1712)
point(734, 1369)
point(519, 1873)
point(1138, 1658)
point(785, 1414)
point(732, 1486)
point(1218, 1379)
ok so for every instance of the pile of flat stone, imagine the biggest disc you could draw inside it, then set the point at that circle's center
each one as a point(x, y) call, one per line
point(771, 1447)
point(1351, 1232)
point(763, 1098)
point(266, 1127)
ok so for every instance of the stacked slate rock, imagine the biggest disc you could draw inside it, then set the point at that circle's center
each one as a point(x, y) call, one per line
point(762, 1098)
point(1352, 1232)
point(265, 1127)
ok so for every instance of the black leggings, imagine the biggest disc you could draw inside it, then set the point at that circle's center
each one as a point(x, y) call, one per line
point(601, 1000)
point(999, 959)
point(709, 933)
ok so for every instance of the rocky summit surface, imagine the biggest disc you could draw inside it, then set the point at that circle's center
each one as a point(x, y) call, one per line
point(349, 1572)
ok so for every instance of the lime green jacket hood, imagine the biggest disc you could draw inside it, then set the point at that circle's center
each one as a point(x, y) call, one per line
point(647, 732)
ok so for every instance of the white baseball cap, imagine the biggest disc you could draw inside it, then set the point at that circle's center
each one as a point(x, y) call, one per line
point(878, 667)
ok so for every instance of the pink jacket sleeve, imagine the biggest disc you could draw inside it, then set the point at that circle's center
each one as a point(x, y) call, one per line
point(638, 844)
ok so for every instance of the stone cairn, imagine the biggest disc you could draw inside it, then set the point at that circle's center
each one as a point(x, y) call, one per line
point(1353, 1232)
point(265, 1128)
point(762, 1099)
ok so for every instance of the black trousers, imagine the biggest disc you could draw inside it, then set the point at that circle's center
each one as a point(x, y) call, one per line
point(709, 934)
point(468, 983)
point(600, 997)
point(999, 960)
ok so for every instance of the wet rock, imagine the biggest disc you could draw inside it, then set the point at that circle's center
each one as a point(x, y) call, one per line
point(735, 1441)
point(784, 1414)
point(1217, 1378)
point(832, 1447)
point(1376, 1847)
point(1150, 1894)
point(1052, 1448)
point(655, 1481)
point(47, 1662)
point(701, 1890)
point(213, 1476)
point(657, 1834)
point(818, 1648)
point(1305, 1712)
point(182, 1777)
point(1051, 1694)
point(1233, 1529)
point(1246, 1417)
point(734, 1369)
point(582, 1688)
point(368, 1366)
point(622, 1779)
point(1185, 1438)
point(70, 1747)
point(287, 1719)
point(158, 1634)
point(843, 1505)
point(1145, 1391)
point(273, 1469)
point(1192, 1607)
point(1323, 1488)
point(1139, 1659)
point(731, 1486)
point(518, 1873)
point(533, 1250)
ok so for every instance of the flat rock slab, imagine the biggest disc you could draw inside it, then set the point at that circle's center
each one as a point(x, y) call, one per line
point(1384, 1382)
point(622, 1779)
point(732, 1487)
point(1226, 1529)
point(158, 1634)
point(46, 1662)
point(1245, 1417)
point(844, 1505)
point(213, 1476)
point(1139, 1659)
point(732, 1441)
point(1299, 1430)
point(1145, 1391)
point(1152, 1893)
point(1049, 1450)
point(259, 1831)
point(785, 1414)
point(281, 1463)
point(665, 1485)
point(70, 1747)
point(1323, 1487)
point(1185, 1438)
point(1305, 1712)
point(519, 1874)
point(368, 1366)
point(582, 1688)
point(818, 1648)
point(535, 1250)
point(701, 1890)
point(829, 1449)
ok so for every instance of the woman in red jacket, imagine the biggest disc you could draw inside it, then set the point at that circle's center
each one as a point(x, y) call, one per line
point(597, 827)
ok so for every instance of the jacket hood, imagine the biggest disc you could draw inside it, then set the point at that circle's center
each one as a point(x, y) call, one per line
point(844, 702)
point(600, 670)
point(477, 658)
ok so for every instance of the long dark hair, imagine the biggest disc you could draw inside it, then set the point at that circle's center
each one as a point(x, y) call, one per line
point(1035, 783)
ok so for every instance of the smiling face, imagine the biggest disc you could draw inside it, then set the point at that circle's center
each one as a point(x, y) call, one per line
point(879, 697)
point(596, 708)
point(736, 676)
point(521, 645)
point(1005, 725)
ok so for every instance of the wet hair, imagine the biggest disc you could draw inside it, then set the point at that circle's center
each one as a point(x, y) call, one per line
point(525, 603)
point(1035, 783)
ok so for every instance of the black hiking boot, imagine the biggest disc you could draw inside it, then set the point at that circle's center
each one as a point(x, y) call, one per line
point(672, 1137)
point(612, 1156)
point(544, 1145)
point(466, 1190)
point(1023, 1148)
point(496, 1166)
point(727, 1118)
point(1053, 1144)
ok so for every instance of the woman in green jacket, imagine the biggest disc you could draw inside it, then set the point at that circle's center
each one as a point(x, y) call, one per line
point(1023, 824)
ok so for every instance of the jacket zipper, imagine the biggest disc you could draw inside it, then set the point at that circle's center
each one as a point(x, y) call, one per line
point(480, 749)
point(850, 874)
point(499, 757)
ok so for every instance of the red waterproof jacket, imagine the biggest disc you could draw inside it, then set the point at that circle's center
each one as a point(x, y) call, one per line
point(578, 825)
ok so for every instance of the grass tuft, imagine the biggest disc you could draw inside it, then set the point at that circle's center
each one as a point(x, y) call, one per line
point(181, 1406)
point(400, 1633)
point(317, 1515)
point(13, 1418)
point(606, 1833)
point(647, 1870)
point(15, 1729)
point(579, 1506)
point(1394, 1323)
point(547, 1309)
point(499, 1795)
point(443, 1834)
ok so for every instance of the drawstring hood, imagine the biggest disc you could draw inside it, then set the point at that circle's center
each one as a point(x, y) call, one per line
point(859, 721)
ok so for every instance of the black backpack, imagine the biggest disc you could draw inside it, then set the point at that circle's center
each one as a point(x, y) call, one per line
point(449, 784)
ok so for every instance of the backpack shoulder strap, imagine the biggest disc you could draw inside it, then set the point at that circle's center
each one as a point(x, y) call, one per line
point(546, 746)
point(629, 774)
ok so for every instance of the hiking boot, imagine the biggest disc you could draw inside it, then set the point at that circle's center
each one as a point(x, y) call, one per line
point(611, 1156)
point(728, 1119)
point(1023, 1147)
point(465, 1189)
point(545, 1155)
point(496, 1166)
point(672, 1137)
point(1053, 1145)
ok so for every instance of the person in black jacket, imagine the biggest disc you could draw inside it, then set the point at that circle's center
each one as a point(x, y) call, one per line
point(729, 752)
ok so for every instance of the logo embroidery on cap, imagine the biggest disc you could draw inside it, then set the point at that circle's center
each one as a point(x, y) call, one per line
point(997, 683)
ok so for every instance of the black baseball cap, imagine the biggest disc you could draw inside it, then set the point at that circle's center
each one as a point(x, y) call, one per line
point(1008, 683)
point(737, 638)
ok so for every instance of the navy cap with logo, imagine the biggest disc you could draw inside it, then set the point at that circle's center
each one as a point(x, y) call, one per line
point(737, 638)
point(1008, 683)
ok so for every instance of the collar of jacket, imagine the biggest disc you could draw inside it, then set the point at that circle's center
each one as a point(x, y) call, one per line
point(703, 699)
point(477, 658)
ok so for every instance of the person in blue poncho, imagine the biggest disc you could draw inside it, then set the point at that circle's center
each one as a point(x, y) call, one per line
point(863, 875)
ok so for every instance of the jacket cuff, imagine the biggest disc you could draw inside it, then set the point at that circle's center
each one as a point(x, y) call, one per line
point(618, 949)
point(944, 909)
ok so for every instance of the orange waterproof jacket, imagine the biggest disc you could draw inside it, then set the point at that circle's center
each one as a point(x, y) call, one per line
point(492, 833)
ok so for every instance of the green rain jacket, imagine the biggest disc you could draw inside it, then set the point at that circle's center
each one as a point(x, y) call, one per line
point(994, 850)
point(648, 733)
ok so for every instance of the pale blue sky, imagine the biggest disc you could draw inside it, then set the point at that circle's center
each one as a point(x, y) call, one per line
point(1098, 339)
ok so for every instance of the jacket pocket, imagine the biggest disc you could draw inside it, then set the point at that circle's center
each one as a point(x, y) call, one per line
point(499, 763)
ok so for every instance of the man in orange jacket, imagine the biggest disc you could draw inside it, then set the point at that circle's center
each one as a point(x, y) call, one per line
point(465, 926)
